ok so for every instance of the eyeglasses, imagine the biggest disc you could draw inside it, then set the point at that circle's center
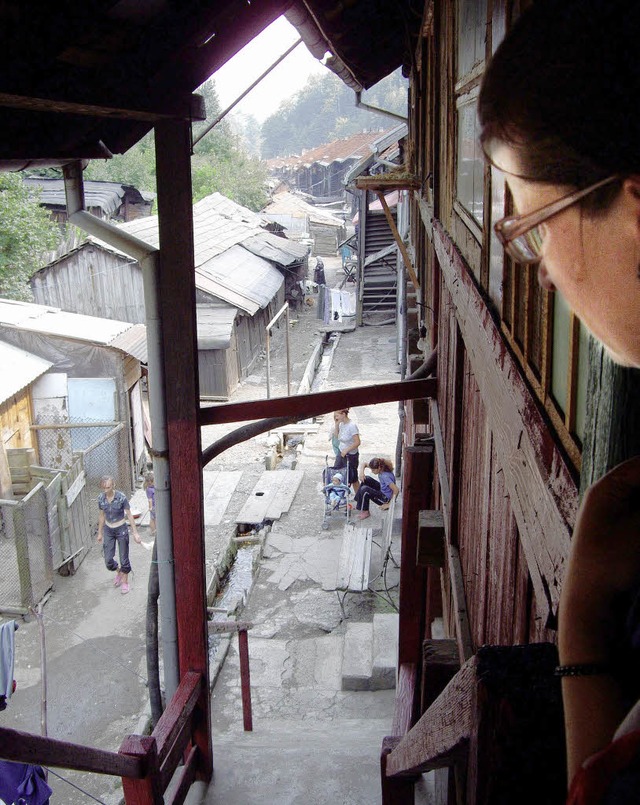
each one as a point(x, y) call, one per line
point(521, 236)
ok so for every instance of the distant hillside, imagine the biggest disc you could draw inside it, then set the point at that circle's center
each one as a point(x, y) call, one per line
point(324, 111)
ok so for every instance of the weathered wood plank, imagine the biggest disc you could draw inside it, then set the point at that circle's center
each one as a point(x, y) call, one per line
point(405, 698)
point(24, 747)
point(272, 495)
point(218, 487)
point(431, 538)
point(542, 491)
point(442, 735)
point(355, 559)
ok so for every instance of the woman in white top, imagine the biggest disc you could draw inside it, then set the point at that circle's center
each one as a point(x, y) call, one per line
point(348, 442)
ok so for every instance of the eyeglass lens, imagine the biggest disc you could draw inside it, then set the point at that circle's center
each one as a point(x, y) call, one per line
point(527, 248)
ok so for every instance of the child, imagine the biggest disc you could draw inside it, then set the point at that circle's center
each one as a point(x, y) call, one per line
point(337, 490)
point(150, 488)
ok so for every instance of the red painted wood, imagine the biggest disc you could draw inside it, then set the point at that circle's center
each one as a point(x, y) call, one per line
point(178, 713)
point(148, 790)
point(245, 680)
point(35, 749)
point(395, 790)
point(418, 475)
point(307, 405)
point(177, 292)
point(540, 485)
point(405, 702)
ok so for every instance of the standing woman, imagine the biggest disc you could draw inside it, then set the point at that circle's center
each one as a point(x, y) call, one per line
point(380, 490)
point(559, 115)
point(348, 444)
point(114, 514)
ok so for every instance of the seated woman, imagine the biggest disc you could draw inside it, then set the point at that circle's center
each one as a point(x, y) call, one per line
point(379, 490)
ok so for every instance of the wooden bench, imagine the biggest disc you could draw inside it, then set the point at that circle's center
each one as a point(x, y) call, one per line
point(354, 562)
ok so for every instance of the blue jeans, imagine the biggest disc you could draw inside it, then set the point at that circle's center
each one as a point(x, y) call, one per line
point(109, 538)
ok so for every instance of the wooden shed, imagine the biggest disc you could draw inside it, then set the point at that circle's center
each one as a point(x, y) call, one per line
point(90, 399)
point(243, 275)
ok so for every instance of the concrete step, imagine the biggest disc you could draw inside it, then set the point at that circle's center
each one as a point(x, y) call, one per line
point(357, 658)
point(385, 651)
point(370, 654)
point(304, 760)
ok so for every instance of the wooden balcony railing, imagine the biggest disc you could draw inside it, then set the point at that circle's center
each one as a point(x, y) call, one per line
point(146, 764)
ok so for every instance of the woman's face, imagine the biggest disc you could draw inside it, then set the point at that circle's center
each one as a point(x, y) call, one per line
point(593, 260)
point(340, 416)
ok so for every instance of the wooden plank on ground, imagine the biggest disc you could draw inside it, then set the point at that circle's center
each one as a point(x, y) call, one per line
point(271, 496)
point(218, 487)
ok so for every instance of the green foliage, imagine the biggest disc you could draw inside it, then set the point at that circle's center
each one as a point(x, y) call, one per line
point(219, 163)
point(324, 111)
point(136, 167)
point(26, 231)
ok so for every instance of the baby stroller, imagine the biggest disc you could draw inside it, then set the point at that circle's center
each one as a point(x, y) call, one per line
point(336, 495)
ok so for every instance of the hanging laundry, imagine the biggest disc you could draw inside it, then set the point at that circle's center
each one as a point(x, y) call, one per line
point(7, 655)
point(23, 783)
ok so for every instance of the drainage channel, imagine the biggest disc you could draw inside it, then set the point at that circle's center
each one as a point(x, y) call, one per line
point(235, 586)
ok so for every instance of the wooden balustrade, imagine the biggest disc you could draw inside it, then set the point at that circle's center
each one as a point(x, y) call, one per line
point(146, 763)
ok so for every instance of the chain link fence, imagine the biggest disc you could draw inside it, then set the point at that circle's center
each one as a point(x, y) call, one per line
point(53, 519)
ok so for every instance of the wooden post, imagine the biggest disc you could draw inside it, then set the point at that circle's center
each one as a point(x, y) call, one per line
point(245, 679)
point(176, 292)
point(148, 790)
point(417, 482)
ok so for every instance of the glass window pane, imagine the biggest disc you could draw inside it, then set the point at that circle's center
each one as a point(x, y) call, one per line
point(470, 179)
point(560, 351)
point(472, 34)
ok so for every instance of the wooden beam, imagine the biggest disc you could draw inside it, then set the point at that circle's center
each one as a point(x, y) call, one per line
point(303, 406)
point(189, 107)
point(23, 747)
point(405, 698)
point(176, 291)
point(401, 244)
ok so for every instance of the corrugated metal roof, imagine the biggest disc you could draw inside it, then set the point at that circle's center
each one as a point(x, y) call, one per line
point(354, 147)
point(240, 278)
point(19, 369)
point(291, 204)
point(277, 249)
point(133, 341)
point(74, 326)
point(105, 195)
point(215, 325)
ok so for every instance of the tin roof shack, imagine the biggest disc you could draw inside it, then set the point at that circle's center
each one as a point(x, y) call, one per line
point(44, 510)
point(19, 371)
point(243, 274)
point(320, 171)
point(306, 223)
point(108, 200)
point(95, 377)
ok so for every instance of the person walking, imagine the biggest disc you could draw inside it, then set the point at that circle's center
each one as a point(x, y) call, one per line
point(113, 516)
point(380, 490)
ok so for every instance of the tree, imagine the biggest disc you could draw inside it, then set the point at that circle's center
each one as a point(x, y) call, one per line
point(324, 110)
point(26, 232)
point(136, 167)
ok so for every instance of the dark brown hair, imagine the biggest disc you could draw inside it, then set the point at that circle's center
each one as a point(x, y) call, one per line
point(380, 464)
point(562, 91)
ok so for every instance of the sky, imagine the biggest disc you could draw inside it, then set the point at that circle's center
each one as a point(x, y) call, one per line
point(285, 80)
